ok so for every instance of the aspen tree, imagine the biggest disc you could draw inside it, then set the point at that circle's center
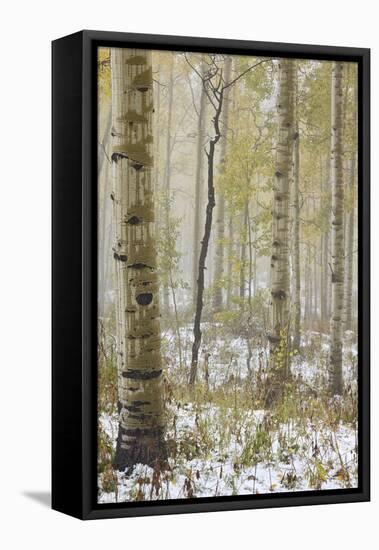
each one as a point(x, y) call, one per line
point(167, 174)
point(337, 230)
point(351, 224)
point(296, 222)
point(280, 285)
point(141, 418)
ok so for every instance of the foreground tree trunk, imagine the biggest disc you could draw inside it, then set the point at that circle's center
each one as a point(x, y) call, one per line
point(198, 186)
point(280, 285)
point(220, 221)
point(337, 230)
point(141, 420)
point(205, 242)
point(215, 91)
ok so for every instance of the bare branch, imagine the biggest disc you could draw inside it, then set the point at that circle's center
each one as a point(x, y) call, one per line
point(247, 70)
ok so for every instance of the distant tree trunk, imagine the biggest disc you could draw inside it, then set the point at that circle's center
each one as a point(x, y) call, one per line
point(243, 254)
point(337, 267)
point(119, 248)
point(141, 419)
point(250, 294)
point(102, 146)
point(157, 136)
point(315, 287)
point(296, 226)
point(325, 289)
point(198, 186)
point(325, 286)
point(103, 211)
point(280, 286)
point(103, 250)
point(205, 242)
point(350, 232)
point(350, 253)
point(307, 287)
point(229, 288)
point(220, 221)
point(167, 176)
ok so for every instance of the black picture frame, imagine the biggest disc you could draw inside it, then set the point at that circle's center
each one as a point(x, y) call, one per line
point(74, 295)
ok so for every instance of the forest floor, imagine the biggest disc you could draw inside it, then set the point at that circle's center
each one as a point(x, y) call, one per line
point(222, 442)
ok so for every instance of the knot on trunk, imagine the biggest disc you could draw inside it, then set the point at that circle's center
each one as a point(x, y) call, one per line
point(144, 299)
point(120, 257)
point(133, 220)
point(117, 156)
point(273, 338)
point(279, 294)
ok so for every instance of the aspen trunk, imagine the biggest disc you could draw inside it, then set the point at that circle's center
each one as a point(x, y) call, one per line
point(220, 219)
point(198, 187)
point(141, 419)
point(315, 287)
point(118, 248)
point(325, 286)
point(350, 253)
point(324, 277)
point(102, 238)
point(103, 172)
point(296, 227)
point(157, 103)
point(280, 286)
point(308, 298)
point(337, 231)
point(229, 289)
point(104, 143)
point(350, 230)
point(243, 255)
point(167, 173)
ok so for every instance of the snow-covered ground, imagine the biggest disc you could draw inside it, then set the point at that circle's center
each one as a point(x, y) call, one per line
point(293, 459)
point(234, 450)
